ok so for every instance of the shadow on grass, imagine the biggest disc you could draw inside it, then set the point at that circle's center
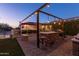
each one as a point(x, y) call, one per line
point(10, 47)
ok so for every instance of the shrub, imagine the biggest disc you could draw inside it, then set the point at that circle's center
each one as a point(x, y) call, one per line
point(70, 28)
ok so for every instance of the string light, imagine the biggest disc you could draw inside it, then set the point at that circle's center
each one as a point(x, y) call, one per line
point(48, 21)
point(48, 5)
point(59, 23)
point(64, 20)
point(36, 12)
point(54, 22)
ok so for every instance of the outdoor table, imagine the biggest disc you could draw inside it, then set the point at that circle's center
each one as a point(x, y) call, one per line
point(51, 36)
point(61, 33)
point(25, 37)
point(42, 38)
point(47, 34)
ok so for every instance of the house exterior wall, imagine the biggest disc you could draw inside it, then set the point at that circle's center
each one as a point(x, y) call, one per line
point(42, 27)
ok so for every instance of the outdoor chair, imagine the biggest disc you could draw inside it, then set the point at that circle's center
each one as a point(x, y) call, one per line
point(42, 39)
point(48, 42)
point(55, 38)
point(50, 39)
point(25, 37)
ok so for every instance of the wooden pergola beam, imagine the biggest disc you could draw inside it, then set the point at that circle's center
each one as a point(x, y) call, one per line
point(35, 11)
point(38, 39)
point(38, 12)
point(51, 15)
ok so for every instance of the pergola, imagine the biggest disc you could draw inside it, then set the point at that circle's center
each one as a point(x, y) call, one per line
point(37, 12)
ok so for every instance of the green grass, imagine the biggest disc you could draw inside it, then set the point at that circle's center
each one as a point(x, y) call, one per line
point(10, 47)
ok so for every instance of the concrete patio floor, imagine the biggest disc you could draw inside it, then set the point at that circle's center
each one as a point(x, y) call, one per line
point(29, 47)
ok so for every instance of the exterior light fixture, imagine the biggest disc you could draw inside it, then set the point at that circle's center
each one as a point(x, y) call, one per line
point(59, 23)
point(42, 26)
point(25, 25)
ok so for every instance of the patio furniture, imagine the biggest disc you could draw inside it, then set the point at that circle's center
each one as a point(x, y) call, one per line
point(61, 33)
point(42, 39)
point(49, 42)
point(25, 37)
point(48, 38)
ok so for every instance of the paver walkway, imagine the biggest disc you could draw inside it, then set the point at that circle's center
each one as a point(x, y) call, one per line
point(64, 50)
point(30, 49)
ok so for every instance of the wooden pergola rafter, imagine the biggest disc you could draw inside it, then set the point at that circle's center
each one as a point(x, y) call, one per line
point(35, 11)
point(51, 15)
point(39, 10)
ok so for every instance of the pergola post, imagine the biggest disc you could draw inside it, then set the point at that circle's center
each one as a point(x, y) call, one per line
point(20, 28)
point(38, 40)
point(37, 19)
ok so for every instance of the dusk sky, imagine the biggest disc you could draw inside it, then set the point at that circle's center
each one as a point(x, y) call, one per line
point(13, 13)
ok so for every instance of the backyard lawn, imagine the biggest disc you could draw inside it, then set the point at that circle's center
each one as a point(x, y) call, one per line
point(10, 47)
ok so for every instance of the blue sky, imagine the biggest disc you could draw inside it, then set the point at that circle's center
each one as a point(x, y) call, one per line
point(13, 13)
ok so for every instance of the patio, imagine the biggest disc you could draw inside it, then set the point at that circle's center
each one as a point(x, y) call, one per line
point(48, 39)
point(63, 48)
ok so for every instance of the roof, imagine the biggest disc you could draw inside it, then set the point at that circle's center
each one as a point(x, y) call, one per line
point(34, 23)
point(30, 23)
